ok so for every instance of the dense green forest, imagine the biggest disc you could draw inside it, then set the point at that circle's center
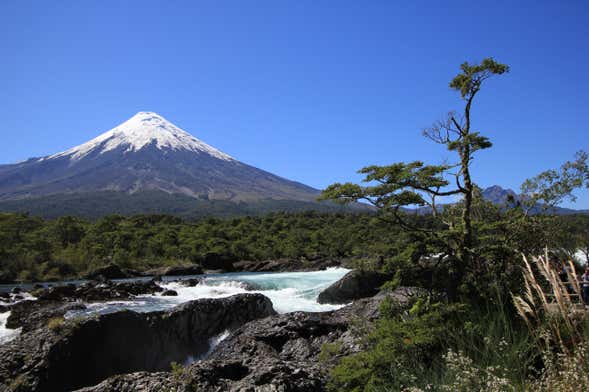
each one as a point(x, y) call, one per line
point(32, 248)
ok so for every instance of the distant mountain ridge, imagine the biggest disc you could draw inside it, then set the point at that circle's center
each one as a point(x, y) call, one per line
point(504, 196)
point(499, 195)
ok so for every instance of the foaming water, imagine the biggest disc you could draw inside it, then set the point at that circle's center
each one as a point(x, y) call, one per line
point(288, 291)
point(213, 342)
point(6, 334)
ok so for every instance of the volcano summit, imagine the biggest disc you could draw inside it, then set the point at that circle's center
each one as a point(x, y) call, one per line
point(144, 160)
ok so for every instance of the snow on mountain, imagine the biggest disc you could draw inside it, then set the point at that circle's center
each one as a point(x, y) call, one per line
point(141, 130)
point(149, 154)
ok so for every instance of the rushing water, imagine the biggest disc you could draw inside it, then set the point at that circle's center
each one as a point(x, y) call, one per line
point(5, 333)
point(288, 291)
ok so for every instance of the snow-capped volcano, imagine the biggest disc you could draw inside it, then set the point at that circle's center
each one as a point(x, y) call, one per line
point(146, 153)
point(141, 130)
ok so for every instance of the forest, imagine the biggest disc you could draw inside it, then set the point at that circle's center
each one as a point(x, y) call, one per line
point(37, 249)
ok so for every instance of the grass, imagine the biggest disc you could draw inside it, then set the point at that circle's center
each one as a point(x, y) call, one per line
point(550, 307)
point(56, 324)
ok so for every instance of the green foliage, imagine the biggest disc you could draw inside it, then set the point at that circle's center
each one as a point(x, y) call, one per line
point(401, 349)
point(395, 187)
point(329, 350)
point(177, 371)
point(437, 346)
point(468, 83)
point(34, 249)
point(552, 187)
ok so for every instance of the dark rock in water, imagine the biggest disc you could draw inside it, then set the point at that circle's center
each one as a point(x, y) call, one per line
point(16, 290)
point(278, 353)
point(99, 291)
point(284, 265)
point(119, 290)
point(30, 315)
point(132, 272)
point(170, 293)
point(4, 308)
point(5, 296)
point(214, 261)
point(18, 297)
point(193, 269)
point(72, 354)
point(57, 293)
point(250, 286)
point(354, 285)
point(37, 286)
point(110, 271)
point(190, 282)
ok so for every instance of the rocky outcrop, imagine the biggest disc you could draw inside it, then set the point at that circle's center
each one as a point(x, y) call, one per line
point(110, 271)
point(68, 354)
point(285, 265)
point(30, 315)
point(354, 285)
point(98, 291)
point(190, 282)
point(193, 269)
point(288, 352)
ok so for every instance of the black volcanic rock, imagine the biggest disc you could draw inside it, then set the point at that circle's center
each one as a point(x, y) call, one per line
point(194, 269)
point(98, 291)
point(30, 315)
point(354, 285)
point(277, 353)
point(110, 271)
point(70, 354)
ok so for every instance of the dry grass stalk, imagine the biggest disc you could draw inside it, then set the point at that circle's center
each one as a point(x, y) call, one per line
point(549, 306)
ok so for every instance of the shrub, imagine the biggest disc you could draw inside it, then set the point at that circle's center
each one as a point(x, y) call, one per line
point(403, 349)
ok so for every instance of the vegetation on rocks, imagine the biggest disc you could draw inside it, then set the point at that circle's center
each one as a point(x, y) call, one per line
point(468, 335)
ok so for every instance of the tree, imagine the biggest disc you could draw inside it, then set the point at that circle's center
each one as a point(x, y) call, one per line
point(393, 187)
point(552, 187)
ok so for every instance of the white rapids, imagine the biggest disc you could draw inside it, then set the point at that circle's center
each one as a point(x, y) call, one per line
point(288, 291)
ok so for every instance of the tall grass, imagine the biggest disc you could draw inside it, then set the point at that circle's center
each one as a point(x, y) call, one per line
point(557, 319)
point(551, 308)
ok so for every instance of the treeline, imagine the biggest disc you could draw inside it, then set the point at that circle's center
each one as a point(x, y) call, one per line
point(32, 248)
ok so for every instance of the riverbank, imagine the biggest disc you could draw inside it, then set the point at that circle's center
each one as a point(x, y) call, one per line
point(207, 327)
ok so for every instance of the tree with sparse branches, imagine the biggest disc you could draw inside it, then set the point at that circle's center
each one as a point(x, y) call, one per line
point(393, 188)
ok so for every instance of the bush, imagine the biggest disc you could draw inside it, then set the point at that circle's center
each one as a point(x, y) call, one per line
point(401, 351)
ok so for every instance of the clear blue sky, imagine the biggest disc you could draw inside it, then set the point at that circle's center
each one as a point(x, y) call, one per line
point(309, 90)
